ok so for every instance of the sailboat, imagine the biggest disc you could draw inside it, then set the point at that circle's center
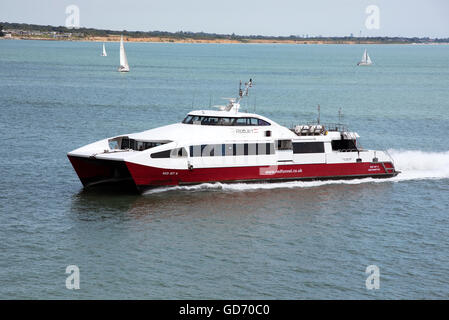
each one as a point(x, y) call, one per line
point(124, 67)
point(366, 60)
point(104, 54)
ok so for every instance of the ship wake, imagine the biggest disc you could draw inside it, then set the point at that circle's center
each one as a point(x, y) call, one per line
point(413, 164)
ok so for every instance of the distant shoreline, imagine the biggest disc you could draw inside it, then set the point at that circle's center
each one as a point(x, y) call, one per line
point(25, 31)
point(217, 41)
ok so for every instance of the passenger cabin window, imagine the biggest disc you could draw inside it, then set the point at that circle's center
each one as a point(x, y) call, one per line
point(308, 147)
point(233, 149)
point(224, 121)
point(284, 145)
point(173, 153)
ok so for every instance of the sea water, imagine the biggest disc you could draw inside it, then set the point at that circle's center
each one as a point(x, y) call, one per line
point(290, 240)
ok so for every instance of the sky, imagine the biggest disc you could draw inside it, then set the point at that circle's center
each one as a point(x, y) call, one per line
point(405, 18)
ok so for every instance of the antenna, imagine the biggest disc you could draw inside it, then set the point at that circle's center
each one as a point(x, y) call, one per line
point(339, 115)
point(318, 114)
point(236, 102)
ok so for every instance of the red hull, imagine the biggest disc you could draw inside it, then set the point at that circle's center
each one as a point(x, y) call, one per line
point(93, 171)
point(150, 176)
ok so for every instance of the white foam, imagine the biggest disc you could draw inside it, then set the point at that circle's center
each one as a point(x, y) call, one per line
point(413, 164)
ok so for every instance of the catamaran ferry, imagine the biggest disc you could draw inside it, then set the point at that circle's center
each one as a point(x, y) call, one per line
point(227, 145)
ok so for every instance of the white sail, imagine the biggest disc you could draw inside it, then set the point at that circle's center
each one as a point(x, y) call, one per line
point(366, 60)
point(124, 67)
point(104, 54)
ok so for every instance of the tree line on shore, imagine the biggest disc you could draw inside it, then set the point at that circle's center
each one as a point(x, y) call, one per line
point(91, 32)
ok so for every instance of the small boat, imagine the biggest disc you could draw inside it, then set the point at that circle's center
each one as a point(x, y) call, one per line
point(104, 54)
point(366, 60)
point(124, 67)
point(228, 145)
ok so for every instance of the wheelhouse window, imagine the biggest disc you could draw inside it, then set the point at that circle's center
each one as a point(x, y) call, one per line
point(188, 119)
point(261, 122)
point(224, 121)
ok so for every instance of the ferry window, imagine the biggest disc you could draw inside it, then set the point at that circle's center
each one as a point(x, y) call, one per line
point(254, 121)
point(140, 145)
point(161, 154)
point(218, 150)
point(262, 122)
point(268, 133)
point(188, 119)
point(284, 145)
point(179, 152)
point(240, 122)
point(239, 149)
point(252, 149)
point(229, 150)
point(173, 153)
point(261, 148)
point(245, 149)
point(265, 148)
point(148, 145)
point(125, 143)
point(225, 121)
point(196, 120)
point(308, 147)
point(210, 150)
point(113, 144)
point(212, 121)
point(215, 150)
point(347, 145)
point(236, 149)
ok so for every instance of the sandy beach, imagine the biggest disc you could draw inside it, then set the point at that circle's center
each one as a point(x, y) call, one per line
point(116, 38)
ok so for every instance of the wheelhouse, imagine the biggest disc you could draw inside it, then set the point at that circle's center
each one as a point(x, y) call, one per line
point(224, 121)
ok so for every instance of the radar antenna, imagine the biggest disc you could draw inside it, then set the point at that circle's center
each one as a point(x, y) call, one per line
point(235, 103)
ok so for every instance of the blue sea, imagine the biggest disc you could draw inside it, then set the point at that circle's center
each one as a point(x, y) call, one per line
point(292, 240)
